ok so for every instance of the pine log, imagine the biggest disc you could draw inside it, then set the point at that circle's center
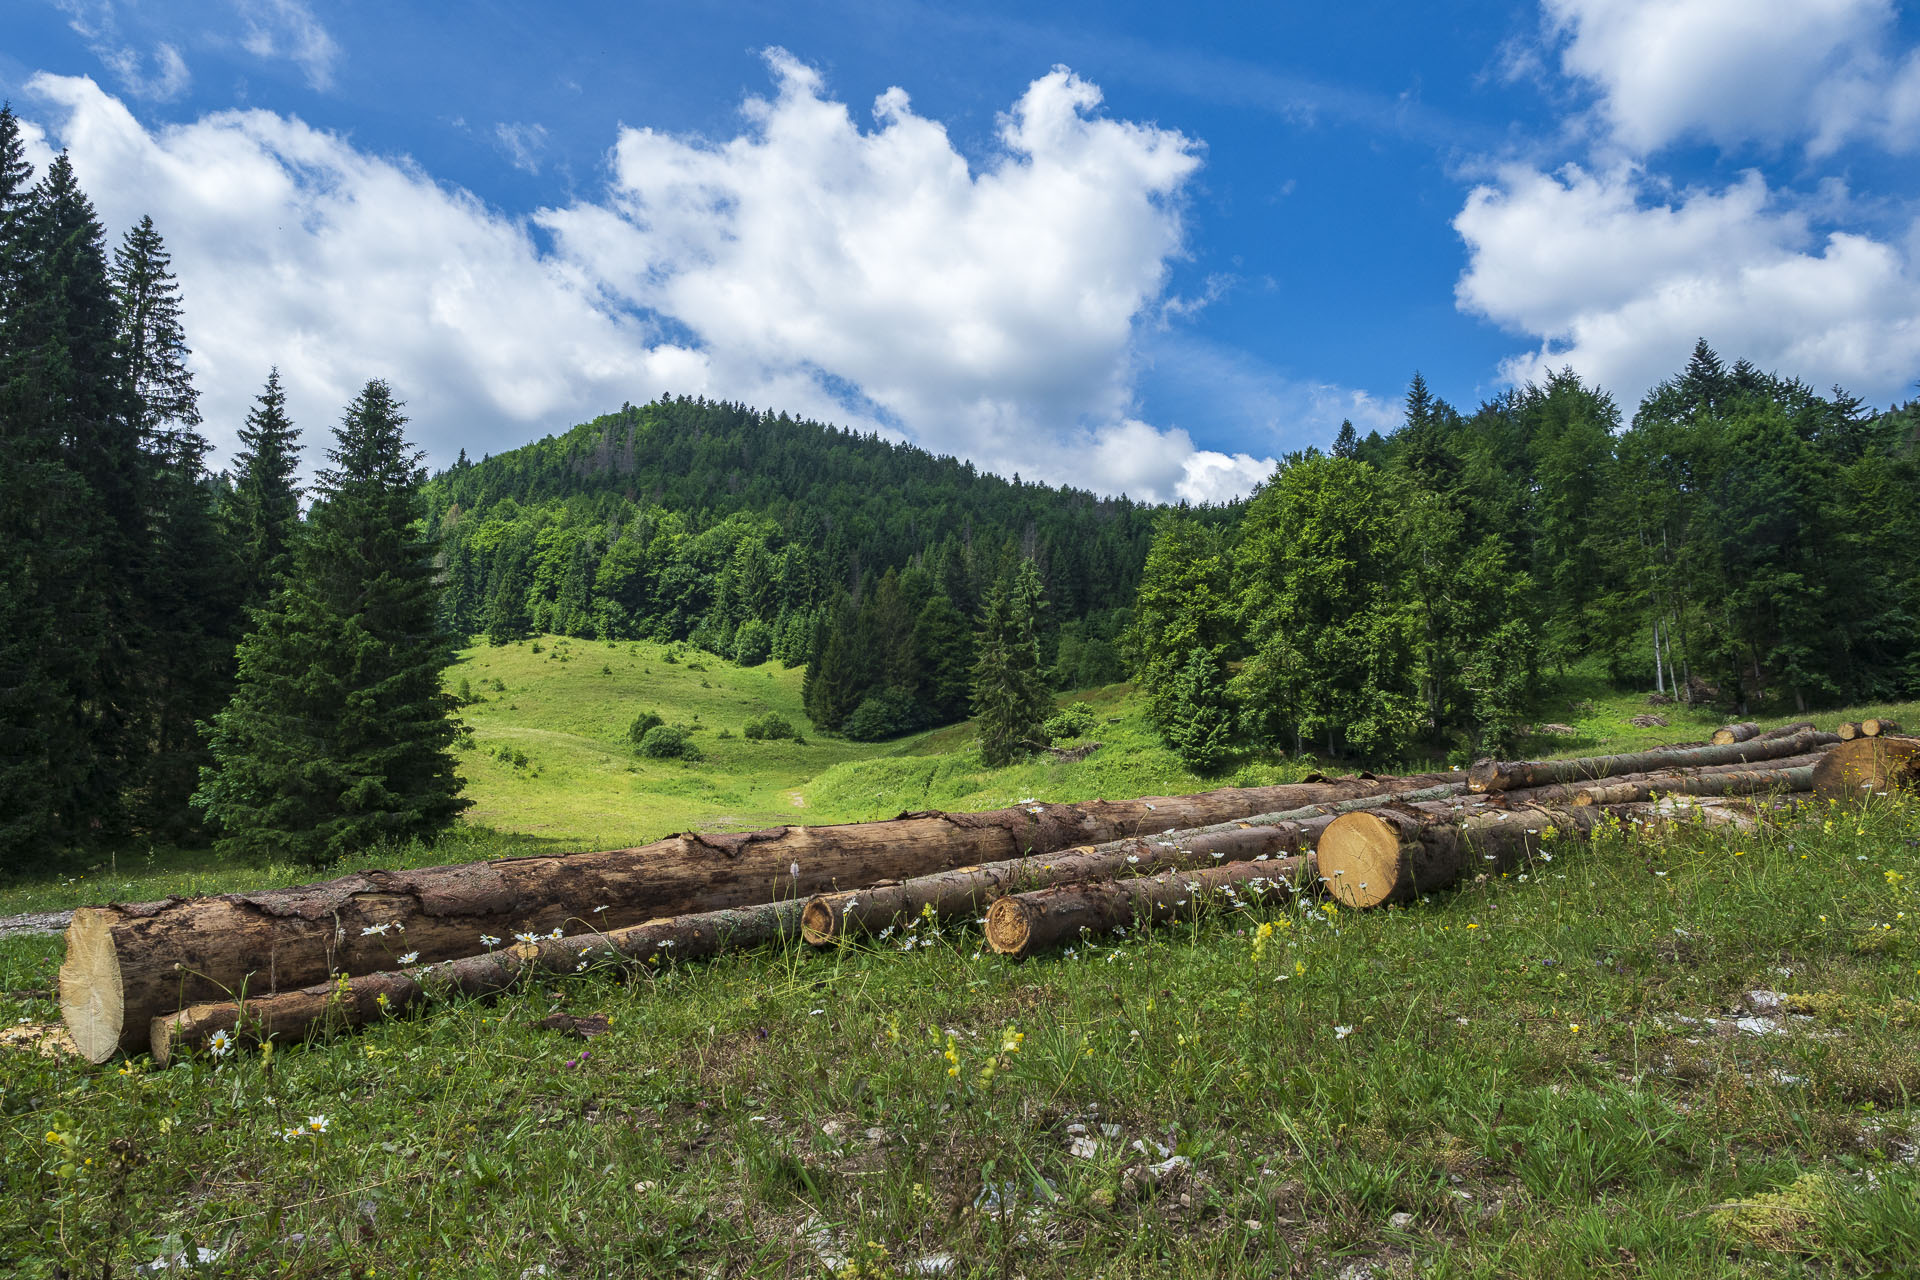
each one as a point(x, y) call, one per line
point(1742, 782)
point(1867, 767)
point(1020, 924)
point(1570, 792)
point(1735, 733)
point(1849, 730)
point(1394, 853)
point(127, 964)
point(967, 891)
point(1874, 728)
point(1494, 775)
point(347, 1003)
point(1785, 730)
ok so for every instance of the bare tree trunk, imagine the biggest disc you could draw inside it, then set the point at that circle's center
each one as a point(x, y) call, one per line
point(1493, 775)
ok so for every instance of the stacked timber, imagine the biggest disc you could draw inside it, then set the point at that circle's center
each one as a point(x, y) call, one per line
point(126, 965)
point(171, 974)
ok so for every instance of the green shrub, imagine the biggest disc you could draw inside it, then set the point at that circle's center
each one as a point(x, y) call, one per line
point(1072, 721)
point(753, 643)
point(772, 727)
point(886, 714)
point(646, 720)
point(666, 742)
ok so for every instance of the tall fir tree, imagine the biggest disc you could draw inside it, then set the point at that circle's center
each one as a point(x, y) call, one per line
point(264, 517)
point(186, 601)
point(72, 522)
point(1010, 699)
point(339, 733)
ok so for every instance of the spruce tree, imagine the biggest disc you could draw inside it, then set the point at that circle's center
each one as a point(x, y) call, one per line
point(338, 736)
point(1347, 443)
point(72, 524)
point(186, 601)
point(264, 517)
point(1200, 723)
point(1010, 699)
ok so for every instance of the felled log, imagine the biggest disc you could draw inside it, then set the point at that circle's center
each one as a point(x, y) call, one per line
point(291, 1016)
point(1849, 730)
point(1873, 727)
point(127, 964)
point(1570, 792)
point(1741, 782)
point(1867, 767)
point(1735, 733)
point(1495, 775)
point(966, 891)
point(1020, 924)
point(1394, 854)
point(1786, 730)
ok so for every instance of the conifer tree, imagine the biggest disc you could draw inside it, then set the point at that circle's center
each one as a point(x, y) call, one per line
point(338, 735)
point(1347, 443)
point(265, 513)
point(1010, 699)
point(1200, 721)
point(72, 524)
point(186, 600)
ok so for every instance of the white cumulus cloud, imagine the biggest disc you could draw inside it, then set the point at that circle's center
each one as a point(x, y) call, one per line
point(989, 312)
point(1732, 71)
point(867, 275)
point(1617, 275)
point(294, 248)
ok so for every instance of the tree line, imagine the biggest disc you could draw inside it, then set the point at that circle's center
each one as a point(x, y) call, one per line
point(183, 653)
point(1743, 541)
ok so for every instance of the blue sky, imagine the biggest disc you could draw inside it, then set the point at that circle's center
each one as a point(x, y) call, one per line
point(1132, 247)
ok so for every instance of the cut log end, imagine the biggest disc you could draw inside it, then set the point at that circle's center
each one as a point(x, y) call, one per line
point(1360, 859)
point(91, 988)
point(1008, 929)
point(1874, 728)
point(1849, 731)
point(817, 923)
point(1866, 767)
point(1735, 733)
point(1485, 775)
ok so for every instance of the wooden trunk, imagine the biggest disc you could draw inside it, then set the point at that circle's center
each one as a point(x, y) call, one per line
point(1735, 733)
point(1874, 728)
point(1867, 767)
point(1494, 775)
point(1021, 924)
point(1743, 782)
point(967, 891)
point(1848, 731)
point(127, 964)
point(342, 1005)
point(1394, 854)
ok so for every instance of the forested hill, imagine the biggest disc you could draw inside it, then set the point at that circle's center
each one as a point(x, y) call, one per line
point(744, 532)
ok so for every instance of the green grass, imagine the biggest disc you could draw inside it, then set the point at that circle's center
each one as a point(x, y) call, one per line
point(1544, 1073)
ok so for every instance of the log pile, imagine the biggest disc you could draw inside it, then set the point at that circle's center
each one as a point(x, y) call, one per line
point(288, 964)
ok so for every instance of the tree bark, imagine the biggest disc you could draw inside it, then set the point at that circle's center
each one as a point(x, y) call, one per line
point(1735, 733)
point(1868, 767)
point(968, 890)
point(127, 964)
point(346, 1003)
point(1393, 854)
point(1494, 775)
point(1741, 782)
point(1020, 924)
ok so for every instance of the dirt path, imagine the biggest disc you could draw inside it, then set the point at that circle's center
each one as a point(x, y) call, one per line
point(35, 922)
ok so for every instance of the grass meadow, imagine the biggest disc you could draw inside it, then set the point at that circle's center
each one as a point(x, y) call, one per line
point(1694, 1055)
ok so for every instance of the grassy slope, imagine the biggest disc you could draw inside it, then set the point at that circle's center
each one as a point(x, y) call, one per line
point(1520, 1076)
